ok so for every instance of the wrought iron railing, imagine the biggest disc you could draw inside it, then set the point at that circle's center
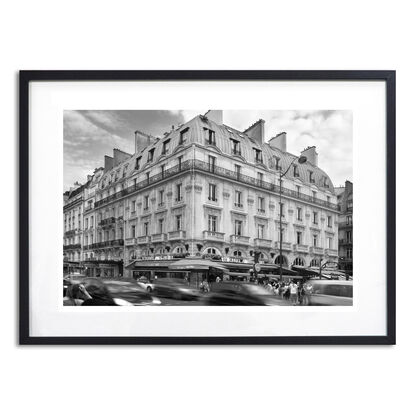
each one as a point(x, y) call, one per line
point(72, 246)
point(202, 166)
point(107, 221)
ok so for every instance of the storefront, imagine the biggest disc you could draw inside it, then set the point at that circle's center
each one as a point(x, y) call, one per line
point(73, 268)
point(104, 268)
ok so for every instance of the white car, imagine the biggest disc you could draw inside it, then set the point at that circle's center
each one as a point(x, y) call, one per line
point(143, 282)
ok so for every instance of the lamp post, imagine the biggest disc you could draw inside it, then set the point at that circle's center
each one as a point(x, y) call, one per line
point(301, 160)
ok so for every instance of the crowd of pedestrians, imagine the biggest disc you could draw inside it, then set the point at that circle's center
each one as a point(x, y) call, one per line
point(295, 292)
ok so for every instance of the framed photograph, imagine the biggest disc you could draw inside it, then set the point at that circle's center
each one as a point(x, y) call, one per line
point(207, 207)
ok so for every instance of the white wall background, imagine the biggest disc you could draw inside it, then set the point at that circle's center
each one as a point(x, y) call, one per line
point(212, 35)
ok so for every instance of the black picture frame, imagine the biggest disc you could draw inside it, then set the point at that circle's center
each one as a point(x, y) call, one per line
point(388, 76)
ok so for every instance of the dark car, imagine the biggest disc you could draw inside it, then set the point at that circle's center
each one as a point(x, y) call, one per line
point(328, 293)
point(235, 293)
point(124, 292)
point(174, 288)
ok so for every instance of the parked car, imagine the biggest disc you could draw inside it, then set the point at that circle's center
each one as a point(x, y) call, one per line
point(174, 288)
point(234, 293)
point(328, 293)
point(143, 282)
point(129, 293)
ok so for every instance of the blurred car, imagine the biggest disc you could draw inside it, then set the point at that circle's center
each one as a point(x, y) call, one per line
point(174, 288)
point(129, 293)
point(236, 293)
point(328, 293)
point(143, 282)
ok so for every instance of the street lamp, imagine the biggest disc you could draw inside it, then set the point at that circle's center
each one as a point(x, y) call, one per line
point(300, 160)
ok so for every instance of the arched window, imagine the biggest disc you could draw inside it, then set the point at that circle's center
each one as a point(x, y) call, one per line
point(314, 262)
point(278, 260)
point(179, 250)
point(299, 261)
point(211, 251)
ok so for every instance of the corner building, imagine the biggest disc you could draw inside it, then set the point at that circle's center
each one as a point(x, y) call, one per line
point(208, 189)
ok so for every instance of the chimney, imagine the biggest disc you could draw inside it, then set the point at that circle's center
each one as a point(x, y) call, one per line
point(311, 154)
point(257, 131)
point(349, 186)
point(108, 163)
point(216, 116)
point(142, 140)
point(279, 142)
point(119, 156)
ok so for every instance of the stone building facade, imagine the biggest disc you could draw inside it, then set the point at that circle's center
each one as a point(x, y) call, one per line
point(208, 189)
point(345, 201)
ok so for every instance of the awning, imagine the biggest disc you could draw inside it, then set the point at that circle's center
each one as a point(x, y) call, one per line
point(144, 265)
point(239, 274)
point(304, 271)
point(195, 265)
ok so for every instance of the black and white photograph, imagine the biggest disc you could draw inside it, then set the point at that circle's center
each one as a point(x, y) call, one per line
point(208, 208)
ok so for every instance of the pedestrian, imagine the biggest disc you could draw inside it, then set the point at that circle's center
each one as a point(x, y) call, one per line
point(293, 293)
point(286, 292)
point(218, 279)
point(276, 288)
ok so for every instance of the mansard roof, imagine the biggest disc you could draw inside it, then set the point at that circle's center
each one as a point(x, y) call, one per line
point(223, 136)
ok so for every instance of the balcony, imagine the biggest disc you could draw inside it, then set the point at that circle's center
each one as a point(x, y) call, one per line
point(240, 240)
point(72, 246)
point(117, 242)
point(203, 167)
point(316, 250)
point(130, 241)
point(330, 252)
point(143, 240)
point(89, 207)
point(262, 243)
point(261, 212)
point(175, 235)
point(133, 214)
point(107, 244)
point(107, 222)
point(70, 233)
point(286, 246)
point(236, 152)
point(300, 248)
point(238, 205)
point(159, 237)
point(161, 205)
point(213, 236)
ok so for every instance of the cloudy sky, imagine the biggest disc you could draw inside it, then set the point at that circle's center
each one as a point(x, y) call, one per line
point(89, 135)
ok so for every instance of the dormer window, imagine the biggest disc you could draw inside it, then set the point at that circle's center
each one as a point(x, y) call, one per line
point(296, 172)
point(258, 156)
point(137, 163)
point(124, 173)
point(210, 137)
point(277, 163)
point(150, 155)
point(311, 177)
point(325, 182)
point(184, 135)
point(165, 149)
point(236, 147)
